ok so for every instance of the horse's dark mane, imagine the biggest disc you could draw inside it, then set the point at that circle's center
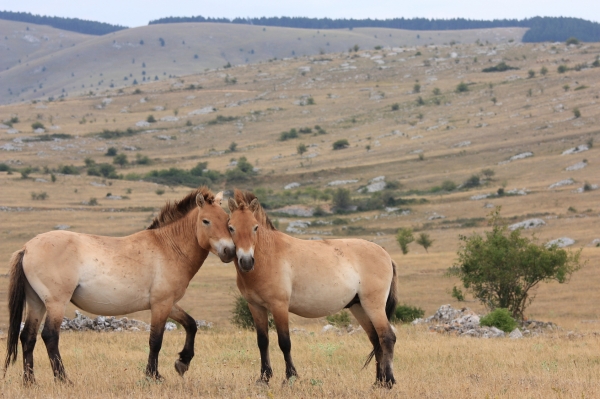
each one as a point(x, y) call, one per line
point(244, 198)
point(173, 211)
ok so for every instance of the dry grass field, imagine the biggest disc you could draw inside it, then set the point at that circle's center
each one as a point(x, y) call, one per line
point(449, 136)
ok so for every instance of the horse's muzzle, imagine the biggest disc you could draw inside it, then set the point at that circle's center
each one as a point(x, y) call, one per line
point(246, 263)
point(227, 254)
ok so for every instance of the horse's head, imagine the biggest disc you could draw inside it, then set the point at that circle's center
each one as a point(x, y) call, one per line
point(243, 228)
point(211, 228)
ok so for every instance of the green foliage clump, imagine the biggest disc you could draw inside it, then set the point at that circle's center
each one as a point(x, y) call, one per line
point(68, 170)
point(562, 68)
point(473, 181)
point(115, 134)
point(221, 119)
point(151, 119)
point(291, 134)
point(342, 199)
point(111, 152)
point(4, 167)
point(502, 267)
point(576, 113)
point(501, 67)
point(102, 169)
point(341, 319)
point(301, 148)
point(37, 125)
point(395, 107)
point(462, 87)
point(121, 160)
point(499, 318)
point(341, 144)
point(572, 40)
point(407, 313)
point(425, 241)
point(242, 171)
point(41, 196)
point(404, 237)
point(457, 294)
point(242, 317)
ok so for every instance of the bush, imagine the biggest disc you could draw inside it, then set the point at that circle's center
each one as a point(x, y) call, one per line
point(448, 185)
point(291, 134)
point(425, 241)
point(544, 71)
point(301, 148)
point(417, 88)
point(499, 318)
point(242, 172)
point(160, 191)
point(457, 294)
point(68, 170)
point(572, 40)
point(121, 160)
point(501, 67)
point(241, 316)
point(37, 125)
point(104, 170)
point(577, 113)
point(562, 69)
point(4, 167)
point(437, 91)
point(472, 181)
point(531, 74)
point(406, 314)
point(502, 267)
point(111, 152)
point(232, 146)
point(150, 119)
point(142, 159)
point(41, 196)
point(93, 201)
point(462, 87)
point(395, 107)
point(404, 237)
point(341, 199)
point(341, 319)
point(341, 144)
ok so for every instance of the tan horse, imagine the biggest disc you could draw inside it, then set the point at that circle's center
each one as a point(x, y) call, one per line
point(281, 274)
point(150, 269)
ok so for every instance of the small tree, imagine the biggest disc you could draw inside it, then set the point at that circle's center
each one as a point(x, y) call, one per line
point(437, 91)
point(544, 71)
point(576, 113)
point(572, 40)
point(301, 148)
point(404, 237)
point(151, 119)
point(233, 146)
point(531, 74)
point(395, 107)
point(341, 144)
point(121, 160)
point(562, 69)
point(425, 241)
point(111, 152)
point(501, 268)
point(342, 199)
point(417, 88)
point(462, 87)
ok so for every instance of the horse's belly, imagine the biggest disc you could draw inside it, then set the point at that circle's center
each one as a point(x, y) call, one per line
point(110, 300)
point(324, 297)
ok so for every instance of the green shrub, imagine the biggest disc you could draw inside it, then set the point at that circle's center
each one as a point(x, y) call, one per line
point(577, 113)
point(417, 88)
point(572, 40)
point(68, 170)
point(291, 134)
point(472, 181)
point(115, 134)
point(121, 160)
point(341, 144)
point(562, 69)
point(150, 119)
point(241, 316)
point(404, 237)
point(395, 107)
point(342, 199)
point(4, 167)
point(406, 313)
point(437, 91)
point(341, 319)
point(104, 170)
point(37, 125)
point(544, 71)
point(160, 191)
point(499, 318)
point(457, 294)
point(41, 196)
point(111, 152)
point(462, 87)
point(93, 201)
point(501, 67)
point(448, 185)
point(142, 159)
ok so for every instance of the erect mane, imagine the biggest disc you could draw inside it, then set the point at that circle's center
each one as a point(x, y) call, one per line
point(244, 198)
point(173, 211)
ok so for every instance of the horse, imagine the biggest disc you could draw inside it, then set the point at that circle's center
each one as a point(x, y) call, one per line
point(150, 269)
point(278, 273)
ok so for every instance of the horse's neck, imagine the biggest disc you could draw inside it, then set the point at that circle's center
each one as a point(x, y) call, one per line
point(179, 239)
point(267, 243)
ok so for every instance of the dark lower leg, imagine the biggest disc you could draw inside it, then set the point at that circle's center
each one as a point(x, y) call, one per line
point(285, 344)
point(50, 335)
point(156, 336)
point(189, 324)
point(387, 341)
point(261, 322)
point(28, 339)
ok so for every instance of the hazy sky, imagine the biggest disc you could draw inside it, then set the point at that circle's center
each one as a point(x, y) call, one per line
point(138, 12)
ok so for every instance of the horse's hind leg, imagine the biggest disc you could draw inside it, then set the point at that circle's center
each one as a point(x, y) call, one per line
point(50, 335)
point(387, 340)
point(360, 315)
point(35, 312)
point(160, 313)
point(185, 356)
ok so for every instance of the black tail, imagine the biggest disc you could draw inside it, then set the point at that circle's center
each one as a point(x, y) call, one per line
point(390, 309)
point(16, 304)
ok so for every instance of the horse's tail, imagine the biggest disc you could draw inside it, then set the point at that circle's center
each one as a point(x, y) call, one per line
point(16, 304)
point(390, 309)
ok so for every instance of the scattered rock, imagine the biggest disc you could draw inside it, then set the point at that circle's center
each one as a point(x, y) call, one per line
point(561, 242)
point(576, 150)
point(12, 131)
point(577, 166)
point(515, 334)
point(376, 184)
point(3, 126)
point(203, 324)
point(39, 130)
point(436, 216)
point(142, 124)
point(169, 119)
point(566, 182)
point(527, 224)
point(296, 210)
point(295, 226)
point(170, 326)
point(62, 227)
point(462, 144)
point(341, 182)
point(291, 186)
point(102, 323)
point(202, 111)
point(10, 147)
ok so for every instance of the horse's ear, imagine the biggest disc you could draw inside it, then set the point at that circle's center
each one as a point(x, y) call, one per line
point(253, 205)
point(200, 200)
point(232, 205)
point(219, 197)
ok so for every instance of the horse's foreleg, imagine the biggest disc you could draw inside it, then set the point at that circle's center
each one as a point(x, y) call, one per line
point(185, 356)
point(261, 322)
point(35, 313)
point(159, 314)
point(281, 317)
point(50, 335)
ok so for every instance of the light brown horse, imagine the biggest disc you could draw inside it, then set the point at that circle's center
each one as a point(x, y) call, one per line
point(280, 274)
point(150, 269)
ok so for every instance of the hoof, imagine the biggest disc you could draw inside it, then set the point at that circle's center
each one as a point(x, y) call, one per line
point(262, 383)
point(181, 367)
point(384, 384)
point(29, 381)
point(154, 377)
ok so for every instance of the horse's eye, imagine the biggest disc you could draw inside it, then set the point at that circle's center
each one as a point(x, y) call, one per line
point(206, 222)
point(255, 228)
point(231, 229)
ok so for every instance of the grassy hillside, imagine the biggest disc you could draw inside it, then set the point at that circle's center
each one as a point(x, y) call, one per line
point(419, 141)
point(158, 52)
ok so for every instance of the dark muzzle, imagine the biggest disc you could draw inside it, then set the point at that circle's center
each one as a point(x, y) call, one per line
point(246, 263)
point(227, 254)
